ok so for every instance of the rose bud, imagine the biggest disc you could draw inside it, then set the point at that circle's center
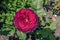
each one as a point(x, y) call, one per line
point(58, 6)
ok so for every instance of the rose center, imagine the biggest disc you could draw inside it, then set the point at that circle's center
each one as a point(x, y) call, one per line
point(24, 19)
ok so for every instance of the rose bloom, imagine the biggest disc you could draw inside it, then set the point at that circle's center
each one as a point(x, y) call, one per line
point(26, 20)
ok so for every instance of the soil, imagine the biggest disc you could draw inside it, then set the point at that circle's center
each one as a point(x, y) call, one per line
point(57, 31)
point(3, 37)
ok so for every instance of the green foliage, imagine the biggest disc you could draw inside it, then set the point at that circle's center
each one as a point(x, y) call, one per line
point(45, 34)
point(52, 26)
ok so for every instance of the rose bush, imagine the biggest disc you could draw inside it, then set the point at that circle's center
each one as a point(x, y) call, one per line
point(26, 20)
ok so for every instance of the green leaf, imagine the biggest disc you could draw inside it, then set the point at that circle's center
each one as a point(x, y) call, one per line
point(21, 35)
point(52, 26)
point(11, 33)
point(37, 3)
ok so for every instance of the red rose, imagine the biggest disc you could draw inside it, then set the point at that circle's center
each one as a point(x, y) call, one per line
point(58, 6)
point(26, 20)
